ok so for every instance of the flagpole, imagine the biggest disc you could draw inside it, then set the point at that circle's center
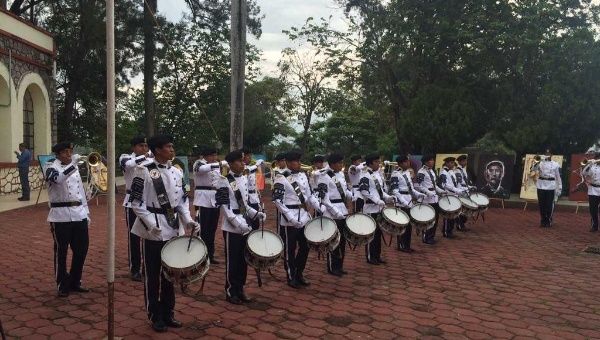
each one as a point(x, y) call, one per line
point(110, 155)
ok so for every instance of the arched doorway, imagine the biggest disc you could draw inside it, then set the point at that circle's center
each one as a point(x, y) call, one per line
point(34, 116)
point(28, 121)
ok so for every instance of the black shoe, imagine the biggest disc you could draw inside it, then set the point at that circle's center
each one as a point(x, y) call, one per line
point(303, 282)
point(234, 300)
point(245, 298)
point(136, 277)
point(593, 230)
point(63, 293)
point(335, 273)
point(171, 322)
point(430, 242)
point(343, 272)
point(293, 283)
point(406, 250)
point(381, 261)
point(80, 289)
point(450, 236)
point(373, 262)
point(23, 198)
point(159, 326)
point(214, 261)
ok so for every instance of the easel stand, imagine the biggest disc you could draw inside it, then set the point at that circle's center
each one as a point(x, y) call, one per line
point(527, 202)
point(578, 203)
point(498, 199)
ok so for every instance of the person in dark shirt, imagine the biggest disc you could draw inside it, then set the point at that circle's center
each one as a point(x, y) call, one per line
point(24, 159)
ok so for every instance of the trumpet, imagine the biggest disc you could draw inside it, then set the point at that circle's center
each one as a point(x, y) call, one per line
point(586, 162)
point(93, 159)
point(95, 174)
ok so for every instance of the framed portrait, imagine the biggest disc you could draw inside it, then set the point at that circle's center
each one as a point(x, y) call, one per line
point(495, 174)
point(528, 188)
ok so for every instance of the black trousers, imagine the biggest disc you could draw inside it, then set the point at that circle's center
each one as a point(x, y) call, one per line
point(236, 269)
point(594, 202)
point(133, 244)
point(208, 219)
point(24, 178)
point(358, 205)
point(335, 259)
point(404, 240)
point(254, 224)
point(448, 227)
point(373, 248)
point(546, 204)
point(74, 235)
point(159, 293)
point(461, 222)
point(294, 262)
point(429, 234)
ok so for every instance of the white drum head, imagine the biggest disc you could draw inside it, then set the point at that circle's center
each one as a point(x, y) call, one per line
point(396, 215)
point(361, 224)
point(175, 254)
point(480, 199)
point(265, 243)
point(467, 202)
point(422, 213)
point(449, 203)
point(315, 234)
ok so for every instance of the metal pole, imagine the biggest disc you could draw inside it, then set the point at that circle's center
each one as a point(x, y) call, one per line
point(110, 155)
point(238, 72)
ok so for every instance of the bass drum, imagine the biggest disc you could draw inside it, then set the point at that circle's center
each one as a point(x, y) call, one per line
point(183, 266)
point(422, 217)
point(360, 229)
point(322, 234)
point(450, 207)
point(393, 221)
point(263, 249)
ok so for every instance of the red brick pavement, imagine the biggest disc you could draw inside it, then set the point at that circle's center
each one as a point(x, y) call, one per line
point(506, 278)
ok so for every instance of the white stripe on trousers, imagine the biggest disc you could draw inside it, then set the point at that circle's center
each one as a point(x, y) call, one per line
point(146, 299)
point(128, 238)
point(228, 253)
point(53, 230)
point(287, 244)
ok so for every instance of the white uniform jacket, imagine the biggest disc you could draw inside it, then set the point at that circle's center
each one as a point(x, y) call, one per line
point(591, 173)
point(253, 197)
point(549, 176)
point(329, 193)
point(128, 163)
point(449, 182)
point(204, 176)
point(354, 173)
point(426, 184)
point(374, 200)
point(288, 201)
point(235, 220)
point(65, 187)
point(401, 187)
point(144, 199)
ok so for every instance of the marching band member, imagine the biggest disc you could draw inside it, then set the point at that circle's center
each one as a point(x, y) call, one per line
point(354, 176)
point(253, 198)
point(426, 184)
point(205, 169)
point(449, 183)
point(591, 174)
point(401, 187)
point(292, 196)
point(317, 164)
point(233, 196)
point(68, 217)
point(280, 168)
point(465, 183)
point(128, 163)
point(160, 202)
point(549, 187)
point(372, 188)
point(333, 190)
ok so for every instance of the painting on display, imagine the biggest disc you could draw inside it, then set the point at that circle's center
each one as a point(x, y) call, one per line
point(528, 188)
point(495, 175)
point(577, 190)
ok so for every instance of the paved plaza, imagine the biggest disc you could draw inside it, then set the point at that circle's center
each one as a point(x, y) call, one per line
point(505, 279)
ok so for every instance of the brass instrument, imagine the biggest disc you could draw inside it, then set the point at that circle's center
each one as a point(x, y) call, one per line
point(95, 174)
point(586, 162)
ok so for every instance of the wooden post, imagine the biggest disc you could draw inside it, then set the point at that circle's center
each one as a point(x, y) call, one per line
point(238, 72)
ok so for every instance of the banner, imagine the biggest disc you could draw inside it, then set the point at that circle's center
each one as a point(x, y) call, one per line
point(495, 175)
point(575, 178)
point(528, 188)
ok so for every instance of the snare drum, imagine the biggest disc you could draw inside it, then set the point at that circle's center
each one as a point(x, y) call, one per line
point(482, 201)
point(394, 221)
point(450, 206)
point(360, 229)
point(263, 249)
point(469, 207)
point(422, 217)
point(183, 266)
point(322, 234)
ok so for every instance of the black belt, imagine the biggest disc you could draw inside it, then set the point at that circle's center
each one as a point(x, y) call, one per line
point(547, 178)
point(404, 192)
point(431, 189)
point(338, 200)
point(369, 201)
point(200, 187)
point(595, 185)
point(64, 204)
point(160, 211)
point(355, 186)
point(252, 191)
point(293, 206)
point(236, 211)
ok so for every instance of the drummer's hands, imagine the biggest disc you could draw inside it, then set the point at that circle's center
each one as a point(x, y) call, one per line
point(246, 229)
point(194, 227)
point(381, 203)
point(154, 230)
point(261, 216)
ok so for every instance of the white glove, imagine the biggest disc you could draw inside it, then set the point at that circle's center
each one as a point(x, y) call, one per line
point(259, 162)
point(224, 162)
point(381, 203)
point(154, 230)
point(297, 223)
point(245, 228)
point(75, 158)
point(194, 227)
point(318, 211)
point(386, 162)
point(261, 216)
point(390, 199)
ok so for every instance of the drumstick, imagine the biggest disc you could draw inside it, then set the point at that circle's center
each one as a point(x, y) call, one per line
point(190, 241)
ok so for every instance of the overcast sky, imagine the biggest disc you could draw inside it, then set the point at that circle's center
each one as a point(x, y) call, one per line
point(279, 15)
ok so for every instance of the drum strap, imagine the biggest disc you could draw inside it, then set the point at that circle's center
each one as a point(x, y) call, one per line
point(338, 185)
point(409, 185)
point(377, 185)
point(430, 173)
point(237, 193)
point(299, 194)
point(161, 193)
